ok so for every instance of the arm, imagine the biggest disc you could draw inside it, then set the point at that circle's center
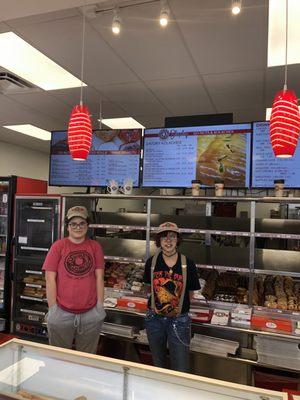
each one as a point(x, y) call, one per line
point(100, 284)
point(147, 277)
point(51, 287)
point(193, 281)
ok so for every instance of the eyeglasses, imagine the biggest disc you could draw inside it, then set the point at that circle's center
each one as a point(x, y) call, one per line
point(170, 236)
point(81, 225)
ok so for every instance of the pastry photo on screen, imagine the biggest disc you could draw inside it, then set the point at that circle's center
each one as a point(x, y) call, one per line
point(117, 139)
point(222, 156)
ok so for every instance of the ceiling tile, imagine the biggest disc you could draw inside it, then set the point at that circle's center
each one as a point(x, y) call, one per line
point(61, 40)
point(149, 50)
point(134, 98)
point(219, 41)
point(185, 96)
point(236, 90)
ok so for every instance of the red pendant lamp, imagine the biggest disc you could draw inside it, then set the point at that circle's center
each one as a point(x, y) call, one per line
point(80, 132)
point(80, 126)
point(285, 117)
point(284, 124)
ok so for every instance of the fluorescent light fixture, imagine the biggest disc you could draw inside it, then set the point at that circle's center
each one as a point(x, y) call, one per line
point(19, 57)
point(30, 130)
point(122, 123)
point(276, 33)
point(268, 113)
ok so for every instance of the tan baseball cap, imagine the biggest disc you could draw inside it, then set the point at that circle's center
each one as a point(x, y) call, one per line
point(168, 226)
point(77, 211)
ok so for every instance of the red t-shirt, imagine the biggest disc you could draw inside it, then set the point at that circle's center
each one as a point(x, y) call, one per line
point(75, 266)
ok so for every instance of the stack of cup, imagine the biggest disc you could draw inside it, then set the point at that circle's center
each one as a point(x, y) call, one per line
point(219, 187)
point(196, 187)
point(279, 187)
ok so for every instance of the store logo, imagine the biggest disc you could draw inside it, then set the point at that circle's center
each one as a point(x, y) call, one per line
point(167, 134)
point(78, 263)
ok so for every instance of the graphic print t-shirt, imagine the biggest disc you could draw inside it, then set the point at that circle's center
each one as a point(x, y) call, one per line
point(75, 266)
point(168, 286)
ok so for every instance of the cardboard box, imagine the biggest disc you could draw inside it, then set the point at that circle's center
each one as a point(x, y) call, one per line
point(220, 317)
point(133, 303)
point(273, 324)
point(200, 315)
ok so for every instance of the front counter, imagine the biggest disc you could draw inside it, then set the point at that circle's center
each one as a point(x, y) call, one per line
point(43, 372)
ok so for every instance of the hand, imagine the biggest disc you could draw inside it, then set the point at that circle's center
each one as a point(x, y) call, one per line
point(99, 304)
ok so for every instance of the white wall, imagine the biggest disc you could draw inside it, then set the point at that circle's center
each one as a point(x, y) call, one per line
point(16, 160)
point(20, 161)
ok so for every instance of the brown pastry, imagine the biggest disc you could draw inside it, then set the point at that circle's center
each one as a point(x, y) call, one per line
point(106, 136)
point(222, 156)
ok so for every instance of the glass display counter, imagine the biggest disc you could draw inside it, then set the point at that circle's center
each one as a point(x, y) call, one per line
point(40, 372)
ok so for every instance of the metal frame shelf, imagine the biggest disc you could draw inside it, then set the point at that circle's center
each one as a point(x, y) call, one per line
point(253, 261)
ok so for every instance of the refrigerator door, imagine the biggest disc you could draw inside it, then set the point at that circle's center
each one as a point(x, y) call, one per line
point(36, 226)
point(7, 189)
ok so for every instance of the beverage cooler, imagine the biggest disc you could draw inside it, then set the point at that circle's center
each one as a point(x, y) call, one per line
point(7, 190)
point(37, 225)
point(9, 186)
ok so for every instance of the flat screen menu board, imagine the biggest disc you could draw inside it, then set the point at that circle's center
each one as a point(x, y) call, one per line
point(174, 157)
point(114, 154)
point(266, 167)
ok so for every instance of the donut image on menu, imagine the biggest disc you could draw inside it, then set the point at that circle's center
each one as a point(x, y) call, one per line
point(223, 157)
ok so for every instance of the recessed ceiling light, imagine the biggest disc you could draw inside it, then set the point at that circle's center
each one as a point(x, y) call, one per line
point(19, 57)
point(122, 123)
point(276, 32)
point(30, 130)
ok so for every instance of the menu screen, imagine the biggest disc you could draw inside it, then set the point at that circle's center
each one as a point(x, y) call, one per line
point(266, 167)
point(114, 154)
point(173, 157)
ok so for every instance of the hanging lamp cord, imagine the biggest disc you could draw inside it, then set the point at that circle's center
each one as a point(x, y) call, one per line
point(286, 42)
point(82, 56)
point(100, 113)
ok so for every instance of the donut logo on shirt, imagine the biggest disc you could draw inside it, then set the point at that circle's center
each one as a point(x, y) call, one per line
point(78, 263)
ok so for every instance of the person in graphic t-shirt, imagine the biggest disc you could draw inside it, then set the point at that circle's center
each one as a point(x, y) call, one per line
point(74, 269)
point(173, 278)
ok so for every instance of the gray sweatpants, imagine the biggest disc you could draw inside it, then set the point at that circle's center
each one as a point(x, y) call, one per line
point(64, 327)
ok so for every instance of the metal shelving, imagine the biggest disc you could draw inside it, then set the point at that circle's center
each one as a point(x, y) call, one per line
point(250, 260)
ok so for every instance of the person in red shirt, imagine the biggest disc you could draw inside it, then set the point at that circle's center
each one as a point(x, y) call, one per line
point(74, 269)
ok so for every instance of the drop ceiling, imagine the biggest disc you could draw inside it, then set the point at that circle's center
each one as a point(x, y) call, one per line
point(205, 61)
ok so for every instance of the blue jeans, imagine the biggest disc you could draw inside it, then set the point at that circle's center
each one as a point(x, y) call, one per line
point(172, 331)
